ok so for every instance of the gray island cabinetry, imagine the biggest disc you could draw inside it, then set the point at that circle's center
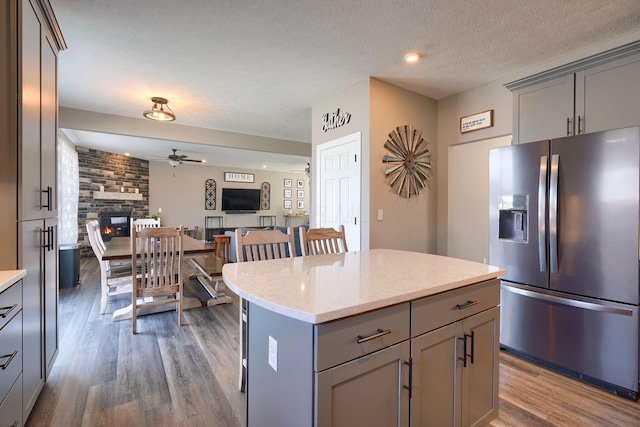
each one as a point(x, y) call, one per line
point(370, 338)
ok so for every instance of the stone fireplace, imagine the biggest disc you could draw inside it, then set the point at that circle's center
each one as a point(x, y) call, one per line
point(117, 175)
point(115, 224)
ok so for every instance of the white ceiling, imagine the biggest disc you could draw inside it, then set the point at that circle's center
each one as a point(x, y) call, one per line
point(257, 67)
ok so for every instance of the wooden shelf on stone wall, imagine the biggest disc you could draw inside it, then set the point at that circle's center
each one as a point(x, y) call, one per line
point(114, 195)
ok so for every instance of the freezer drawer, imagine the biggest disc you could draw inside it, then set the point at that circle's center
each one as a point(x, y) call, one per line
point(589, 337)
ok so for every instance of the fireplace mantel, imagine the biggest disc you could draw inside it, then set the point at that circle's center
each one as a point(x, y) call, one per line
point(114, 195)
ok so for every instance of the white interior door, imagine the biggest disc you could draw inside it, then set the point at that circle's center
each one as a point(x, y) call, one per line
point(338, 193)
point(468, 235)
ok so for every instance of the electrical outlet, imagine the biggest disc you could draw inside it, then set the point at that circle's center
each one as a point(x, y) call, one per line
point(159, 210)
point(380, 215)
point(273, 353)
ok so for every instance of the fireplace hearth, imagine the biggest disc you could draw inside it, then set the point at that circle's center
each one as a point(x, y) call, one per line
point(115, 224)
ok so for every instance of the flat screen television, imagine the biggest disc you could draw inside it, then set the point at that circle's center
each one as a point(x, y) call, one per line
point(240, 200)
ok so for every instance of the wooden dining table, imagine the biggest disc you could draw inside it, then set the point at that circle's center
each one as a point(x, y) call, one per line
point(119, 248)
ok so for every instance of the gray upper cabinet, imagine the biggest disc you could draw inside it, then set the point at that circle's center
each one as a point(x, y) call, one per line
point(544, 111)
point(598, 93)
point(608, 96)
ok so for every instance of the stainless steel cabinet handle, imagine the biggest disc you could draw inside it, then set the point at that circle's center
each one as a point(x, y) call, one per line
point(466, 305)
point(568, 126)
point(10, 356)
point(410, 386)
point(49, 204)
point(579, 125)
point(553, 213)
point(378, 334)
point(8, 310)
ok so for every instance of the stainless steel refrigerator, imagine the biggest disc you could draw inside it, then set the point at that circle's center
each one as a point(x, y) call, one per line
point(564, 222)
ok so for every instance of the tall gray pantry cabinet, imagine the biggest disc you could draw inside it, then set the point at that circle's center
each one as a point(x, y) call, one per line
point(29, 42)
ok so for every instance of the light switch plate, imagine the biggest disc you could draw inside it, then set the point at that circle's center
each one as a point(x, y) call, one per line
point(380, 215)
point(273, 353)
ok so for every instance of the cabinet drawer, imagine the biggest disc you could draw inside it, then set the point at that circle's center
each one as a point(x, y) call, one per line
point(346, 339)
point(10, 302)
point(11, 406)
point(433, 312)
point(10, 354)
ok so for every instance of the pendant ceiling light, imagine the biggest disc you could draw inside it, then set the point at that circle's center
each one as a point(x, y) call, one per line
point(160, 111)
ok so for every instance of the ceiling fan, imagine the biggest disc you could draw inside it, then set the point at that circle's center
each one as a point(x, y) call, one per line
point(178, 159)
point(306, 171)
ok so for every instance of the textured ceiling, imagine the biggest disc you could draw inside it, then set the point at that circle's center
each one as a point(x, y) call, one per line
point(257, 67)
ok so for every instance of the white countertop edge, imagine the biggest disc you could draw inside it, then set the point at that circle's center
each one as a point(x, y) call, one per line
point(9, 277)
point(360, 308)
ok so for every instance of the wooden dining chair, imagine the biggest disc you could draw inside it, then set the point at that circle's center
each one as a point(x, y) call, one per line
point(114, 280)
point(159, 252)
point(141, 223)
point(319, 241)
point(258, 246)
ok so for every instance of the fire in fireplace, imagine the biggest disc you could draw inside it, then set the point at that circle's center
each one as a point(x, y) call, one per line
point(115, 224)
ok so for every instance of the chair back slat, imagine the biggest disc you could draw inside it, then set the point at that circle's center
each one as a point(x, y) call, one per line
point(321, 241)
point(264, 245)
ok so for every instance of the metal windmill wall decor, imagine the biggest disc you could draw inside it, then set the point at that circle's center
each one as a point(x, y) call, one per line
point(409, 161)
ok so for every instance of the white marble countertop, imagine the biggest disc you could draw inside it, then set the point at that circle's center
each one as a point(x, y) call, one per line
point(9, 277)
point(322, 288)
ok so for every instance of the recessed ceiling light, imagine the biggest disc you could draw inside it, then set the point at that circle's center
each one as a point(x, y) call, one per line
point(412, 57)
point(264, 166)
point(127, 154)
point(204, 160)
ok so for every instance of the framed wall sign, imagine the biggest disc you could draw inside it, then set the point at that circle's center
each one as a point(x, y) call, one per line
point(300, 204)
point(300, 183)
point(239, 177)
point(288, 183)
point(287, 193)
point(476, 121)
point(287, 204)
point(300, 194)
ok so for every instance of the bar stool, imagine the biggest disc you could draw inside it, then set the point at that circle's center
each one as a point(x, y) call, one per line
point(221, 245)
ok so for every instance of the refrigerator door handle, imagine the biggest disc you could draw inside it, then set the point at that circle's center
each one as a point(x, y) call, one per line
point(542, 209)
point(568, 302)
point(553, 213)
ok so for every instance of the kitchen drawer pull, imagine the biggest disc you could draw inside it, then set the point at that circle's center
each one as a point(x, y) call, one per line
point(378, 334)
point(10, 356)
point(466, 305)
point(9, 310)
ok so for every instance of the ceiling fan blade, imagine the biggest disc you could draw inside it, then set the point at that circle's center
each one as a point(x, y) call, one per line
point(189, 160)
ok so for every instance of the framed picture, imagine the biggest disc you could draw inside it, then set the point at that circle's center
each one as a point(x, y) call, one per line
point(287, 204)
point(476, 121)
point(300, 183)
point(288, 183)
point(287, 193)
point(300, 194)
point(238, 177)
point(300, 204)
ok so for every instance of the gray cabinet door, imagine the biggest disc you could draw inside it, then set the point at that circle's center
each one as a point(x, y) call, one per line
point(608, 96)
point(480, 377)
point(29, 194)
point(30, 253)
point(544, 110)
point(366, 392)
point(50, 284)
point(436, 372)
point(49, 130)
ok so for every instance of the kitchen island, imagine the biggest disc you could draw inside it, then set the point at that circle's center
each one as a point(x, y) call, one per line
point(360, 338)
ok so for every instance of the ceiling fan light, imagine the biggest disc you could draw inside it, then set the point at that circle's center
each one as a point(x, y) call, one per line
point(174, 163)
point(158, 113)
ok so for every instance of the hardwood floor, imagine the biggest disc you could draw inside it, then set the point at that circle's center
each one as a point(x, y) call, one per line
point(169, 375)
